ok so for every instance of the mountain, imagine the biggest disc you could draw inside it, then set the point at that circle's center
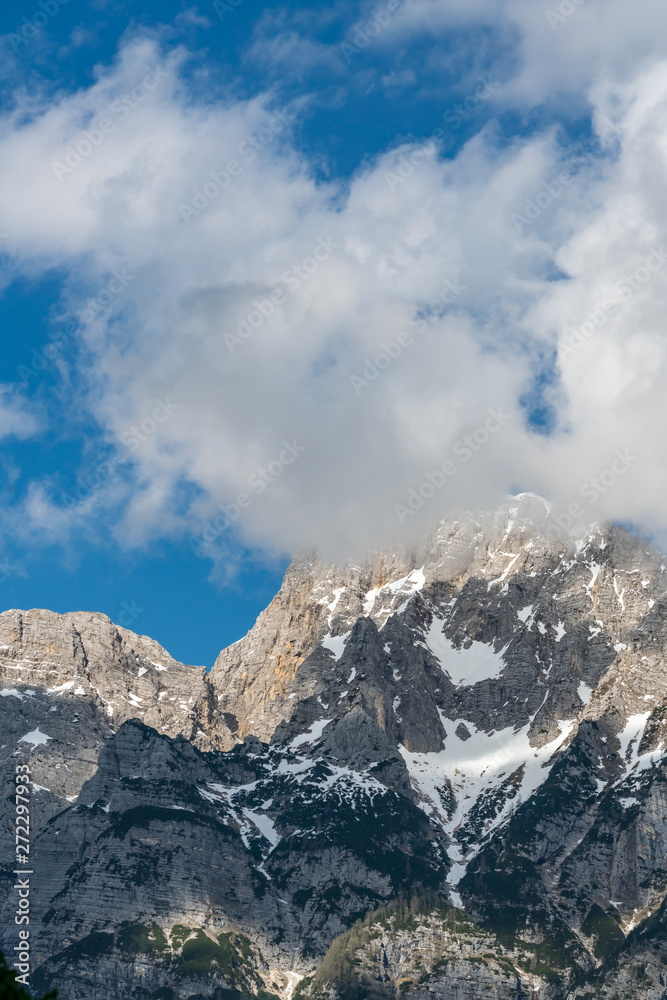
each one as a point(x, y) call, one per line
point(435, 773)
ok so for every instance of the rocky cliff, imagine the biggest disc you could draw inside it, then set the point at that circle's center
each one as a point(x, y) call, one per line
point(482, 721)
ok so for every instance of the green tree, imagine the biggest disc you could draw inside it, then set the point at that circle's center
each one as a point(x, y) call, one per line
point(10, 989)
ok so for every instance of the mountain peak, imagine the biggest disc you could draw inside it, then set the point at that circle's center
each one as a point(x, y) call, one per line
point(502, 689)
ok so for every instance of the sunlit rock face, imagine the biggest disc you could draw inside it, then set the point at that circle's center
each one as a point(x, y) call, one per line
point(484, 718)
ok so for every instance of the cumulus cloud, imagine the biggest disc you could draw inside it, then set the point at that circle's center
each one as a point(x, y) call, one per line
point(340, 364)
point(549, 51)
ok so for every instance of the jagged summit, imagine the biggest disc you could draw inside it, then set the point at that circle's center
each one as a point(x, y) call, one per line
point(494, 699)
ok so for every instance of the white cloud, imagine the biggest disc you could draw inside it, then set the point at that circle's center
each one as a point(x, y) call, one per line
point(17, 417)
point(431, 248)
point(552, 50)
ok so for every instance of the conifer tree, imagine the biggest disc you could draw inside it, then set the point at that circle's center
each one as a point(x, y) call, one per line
point(11, 990)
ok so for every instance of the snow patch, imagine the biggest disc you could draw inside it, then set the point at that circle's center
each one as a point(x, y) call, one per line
point(503, 575)
point(265, 825)
point(210, 796)
point(294, 980)
point(336, 644)
point(619, 596)
point(466, 667)
point(311, 735)
point(369, 600)
point(36, 737)
point(476, 765)
point(595, 569)
point(630, 738)
point(62, 687)
point(413, 582)
point(336, 598)
point(584, 692)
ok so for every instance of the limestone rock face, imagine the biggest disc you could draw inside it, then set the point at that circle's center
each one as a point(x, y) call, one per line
point(84, 655)
point(484, 718)
point(558, 615)
point(422, 951)
point(271, 845)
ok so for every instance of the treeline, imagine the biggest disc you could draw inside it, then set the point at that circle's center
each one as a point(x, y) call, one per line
point(11, 990)
point(340, 966)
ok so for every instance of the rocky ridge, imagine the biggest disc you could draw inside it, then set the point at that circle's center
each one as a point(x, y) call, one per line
point(488, 713)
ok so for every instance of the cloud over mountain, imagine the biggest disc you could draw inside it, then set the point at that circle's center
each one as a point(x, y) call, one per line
point(338, 363)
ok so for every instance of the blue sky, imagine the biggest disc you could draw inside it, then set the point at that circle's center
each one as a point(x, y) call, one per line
point(412, 152)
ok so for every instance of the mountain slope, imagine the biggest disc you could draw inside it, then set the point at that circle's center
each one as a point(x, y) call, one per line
point(484, 718)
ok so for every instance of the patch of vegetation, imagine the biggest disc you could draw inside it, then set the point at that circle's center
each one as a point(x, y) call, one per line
point(509, 896)
point(605, 931)
point(302, 990)
point(91, 946)
point(229, 956)
point(10, 989)
point(179, 934)
point(341, 964)
point(201, 955)
point(139, 939)
point(552, 959)
point(143, 816)
point(653, 728)
point(229, 960)
point(388, 833)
